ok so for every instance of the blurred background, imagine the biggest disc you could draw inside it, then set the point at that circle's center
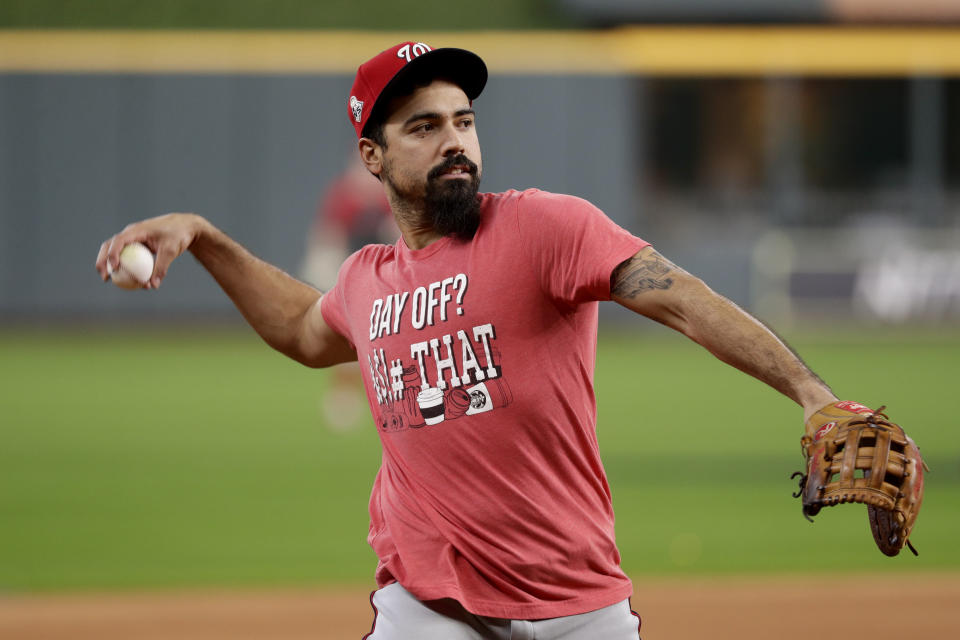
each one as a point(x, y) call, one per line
point(803, 156)
point(806, 157)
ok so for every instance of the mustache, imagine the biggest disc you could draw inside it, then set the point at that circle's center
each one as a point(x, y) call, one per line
point(451, 162)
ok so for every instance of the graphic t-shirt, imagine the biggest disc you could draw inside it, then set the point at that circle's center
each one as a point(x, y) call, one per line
point(478, 360)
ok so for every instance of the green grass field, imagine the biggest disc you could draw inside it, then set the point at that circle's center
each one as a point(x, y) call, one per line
point(196, 457)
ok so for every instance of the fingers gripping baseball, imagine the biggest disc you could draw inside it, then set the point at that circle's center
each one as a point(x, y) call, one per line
point(167, 237)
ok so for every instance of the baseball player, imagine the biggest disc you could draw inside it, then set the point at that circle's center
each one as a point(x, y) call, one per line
point(476, 333)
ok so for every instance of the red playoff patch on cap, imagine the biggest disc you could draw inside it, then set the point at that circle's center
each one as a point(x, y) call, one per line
point(856, 407)
point(824, 430)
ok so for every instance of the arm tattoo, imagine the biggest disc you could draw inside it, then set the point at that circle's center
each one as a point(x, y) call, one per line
point(636, 275)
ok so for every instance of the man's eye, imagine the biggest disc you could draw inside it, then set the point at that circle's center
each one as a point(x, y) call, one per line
point(467, 123)
point(426, 126)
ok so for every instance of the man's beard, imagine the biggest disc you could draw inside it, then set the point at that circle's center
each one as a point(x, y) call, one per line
point(451, 204)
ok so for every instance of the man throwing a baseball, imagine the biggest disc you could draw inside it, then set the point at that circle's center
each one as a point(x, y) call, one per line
point(476, 334)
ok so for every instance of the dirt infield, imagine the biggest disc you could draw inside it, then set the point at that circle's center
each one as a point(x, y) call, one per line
point(718, 609)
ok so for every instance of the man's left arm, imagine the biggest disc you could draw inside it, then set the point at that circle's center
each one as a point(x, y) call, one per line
point(652, 286)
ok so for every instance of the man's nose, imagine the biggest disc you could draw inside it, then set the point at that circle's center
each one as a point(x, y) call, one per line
point(452, 141)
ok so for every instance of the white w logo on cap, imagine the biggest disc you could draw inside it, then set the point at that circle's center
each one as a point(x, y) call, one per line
point(417, 50)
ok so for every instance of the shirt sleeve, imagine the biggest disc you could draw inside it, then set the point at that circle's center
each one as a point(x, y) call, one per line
point(573, 245)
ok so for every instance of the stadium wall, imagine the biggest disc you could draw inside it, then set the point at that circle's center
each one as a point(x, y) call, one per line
point(83, 155)
point(100, 129)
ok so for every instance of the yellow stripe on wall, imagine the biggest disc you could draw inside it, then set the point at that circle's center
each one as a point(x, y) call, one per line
point(802, 51)
point(642, 50)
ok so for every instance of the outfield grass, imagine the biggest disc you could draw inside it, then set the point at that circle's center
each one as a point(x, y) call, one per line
point(200, 457)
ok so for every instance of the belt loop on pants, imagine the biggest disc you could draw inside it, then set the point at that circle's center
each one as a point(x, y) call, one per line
point(522, 630)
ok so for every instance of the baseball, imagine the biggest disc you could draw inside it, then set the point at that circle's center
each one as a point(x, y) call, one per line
point(136, 267)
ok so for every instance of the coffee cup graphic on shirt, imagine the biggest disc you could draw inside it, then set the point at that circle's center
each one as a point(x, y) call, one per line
point(431, 405)
point(486, 396)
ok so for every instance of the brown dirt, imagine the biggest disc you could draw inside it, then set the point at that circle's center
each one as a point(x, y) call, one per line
point(783, 608)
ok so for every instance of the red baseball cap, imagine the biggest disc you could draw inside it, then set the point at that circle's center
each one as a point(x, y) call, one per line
point(379, 76)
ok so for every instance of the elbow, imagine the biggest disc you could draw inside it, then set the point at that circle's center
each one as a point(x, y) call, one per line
point(290, 348)
point(312, 358)
point(294, 347)
point(693, 308)
point(318, 362)
point(324, 355)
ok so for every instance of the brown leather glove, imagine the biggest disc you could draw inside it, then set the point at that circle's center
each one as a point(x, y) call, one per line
point(855, 454)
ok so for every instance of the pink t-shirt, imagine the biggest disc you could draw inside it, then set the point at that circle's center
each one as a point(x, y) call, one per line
point(478, 360)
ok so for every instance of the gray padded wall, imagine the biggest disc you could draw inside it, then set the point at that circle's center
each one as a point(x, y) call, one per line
point(83, 155)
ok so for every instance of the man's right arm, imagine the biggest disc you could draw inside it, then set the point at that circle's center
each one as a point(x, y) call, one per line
point(282, 310)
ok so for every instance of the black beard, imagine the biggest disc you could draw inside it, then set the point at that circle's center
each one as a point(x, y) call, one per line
point(452, 205)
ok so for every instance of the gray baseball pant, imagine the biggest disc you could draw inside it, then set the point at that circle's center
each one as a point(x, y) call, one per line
point(398, 615)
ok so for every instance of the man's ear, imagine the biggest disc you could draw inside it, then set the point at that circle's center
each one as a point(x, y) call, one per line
point(371, 154)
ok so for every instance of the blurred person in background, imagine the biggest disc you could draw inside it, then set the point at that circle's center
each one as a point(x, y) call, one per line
point(353, 212)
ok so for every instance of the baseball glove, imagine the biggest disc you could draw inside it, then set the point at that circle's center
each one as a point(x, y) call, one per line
point(855, 454)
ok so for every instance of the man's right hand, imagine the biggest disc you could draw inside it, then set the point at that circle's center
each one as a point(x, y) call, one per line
point(284, 311)
point(167, 236)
